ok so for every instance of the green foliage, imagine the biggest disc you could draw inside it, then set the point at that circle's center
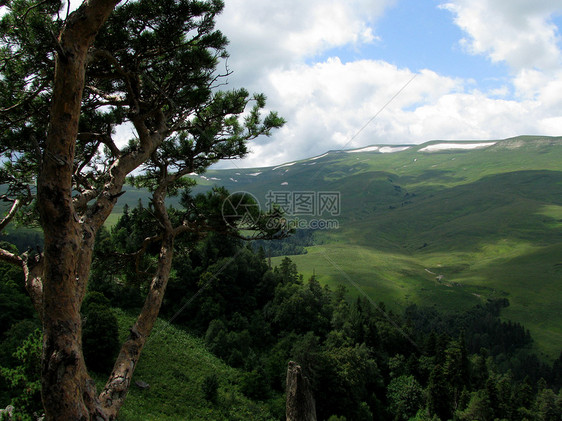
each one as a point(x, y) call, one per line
point(405, 396)
point(176, 365)
point(360, 357)
point(216, 339)
point(489, 220)
point(255, 385)
point(25, 378)
point(548, 405)
point(27, 54)
point(22, 237)
point(100, 336)
point(439, 397)
point(94, 298)
point(210, 388)
point(478, 408)
point(301, 308)
point(349, 372)
point(15, 305)
point(294, 244)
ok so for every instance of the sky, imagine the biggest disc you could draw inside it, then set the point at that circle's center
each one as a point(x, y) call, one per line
point(351, 73)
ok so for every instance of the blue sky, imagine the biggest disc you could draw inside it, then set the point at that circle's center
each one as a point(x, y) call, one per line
point(420, 35)
point(481, 69)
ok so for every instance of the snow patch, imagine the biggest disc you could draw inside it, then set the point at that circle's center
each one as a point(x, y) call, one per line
point(284, 183)
point(318, 157)
point(381, 149)
point(232, 179)
point(284, 165)
point(366, 149)
point(255, 174)
point(451, 146)
point(392, 149)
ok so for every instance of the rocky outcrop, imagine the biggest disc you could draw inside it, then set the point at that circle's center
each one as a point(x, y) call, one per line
point(300, 401)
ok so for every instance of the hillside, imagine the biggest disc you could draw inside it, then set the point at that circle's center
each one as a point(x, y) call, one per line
point(444, 223)
point(175, 365)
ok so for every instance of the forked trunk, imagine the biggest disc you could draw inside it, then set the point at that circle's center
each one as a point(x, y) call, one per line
point(66, 387)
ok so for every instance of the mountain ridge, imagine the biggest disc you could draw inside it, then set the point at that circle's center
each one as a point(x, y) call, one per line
point(487, 220)
point(448, 228)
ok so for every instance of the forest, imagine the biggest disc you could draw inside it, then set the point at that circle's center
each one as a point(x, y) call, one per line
point(72, 78)
point(364, 361)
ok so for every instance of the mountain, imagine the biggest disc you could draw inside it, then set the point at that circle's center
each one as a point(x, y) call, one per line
point(445, 224)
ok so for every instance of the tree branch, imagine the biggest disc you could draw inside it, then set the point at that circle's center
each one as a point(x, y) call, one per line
point(110, 99)
point(33, 273)
point(11, 258)
point(18, 203)
point(33, 267)
point(27, 99)
point(126, 76)
point(115, 390)
point(30, 8)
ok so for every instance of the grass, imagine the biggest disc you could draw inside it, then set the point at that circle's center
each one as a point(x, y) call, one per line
point(452, 281)
point(489, 221)
point(394, 279)
point(175, 365)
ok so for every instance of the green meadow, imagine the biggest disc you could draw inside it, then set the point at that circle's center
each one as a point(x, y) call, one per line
point(451, 229)
point(175, 365)
point(448, 229)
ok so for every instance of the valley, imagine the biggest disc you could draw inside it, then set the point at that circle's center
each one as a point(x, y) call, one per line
point(436, 225)
point(444, 224)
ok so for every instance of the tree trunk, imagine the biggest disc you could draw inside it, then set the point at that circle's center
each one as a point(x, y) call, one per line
point(68, 392)
point(300, 402)
point(116, 388)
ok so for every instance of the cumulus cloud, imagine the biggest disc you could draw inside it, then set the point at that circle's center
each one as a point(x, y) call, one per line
point(519, 32)
point(277, 49)
point(326, 105)
point(268, 34)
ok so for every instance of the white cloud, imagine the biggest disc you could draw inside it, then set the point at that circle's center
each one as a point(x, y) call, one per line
point(268, 34)
point(275, 49)
point(522, 34)
point(300, 28)
point(327, 103)
point(519, 32)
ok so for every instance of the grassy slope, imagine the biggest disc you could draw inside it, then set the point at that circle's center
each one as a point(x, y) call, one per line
point(489, 221)
point(175, 365)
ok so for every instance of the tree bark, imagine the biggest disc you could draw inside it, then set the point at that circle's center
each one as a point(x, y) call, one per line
point(116, 388)
point(67, 390)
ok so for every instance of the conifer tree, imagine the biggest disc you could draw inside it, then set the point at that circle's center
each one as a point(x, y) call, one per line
point(67, 80)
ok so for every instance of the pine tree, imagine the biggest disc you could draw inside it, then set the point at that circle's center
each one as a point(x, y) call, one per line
point(66, 81)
